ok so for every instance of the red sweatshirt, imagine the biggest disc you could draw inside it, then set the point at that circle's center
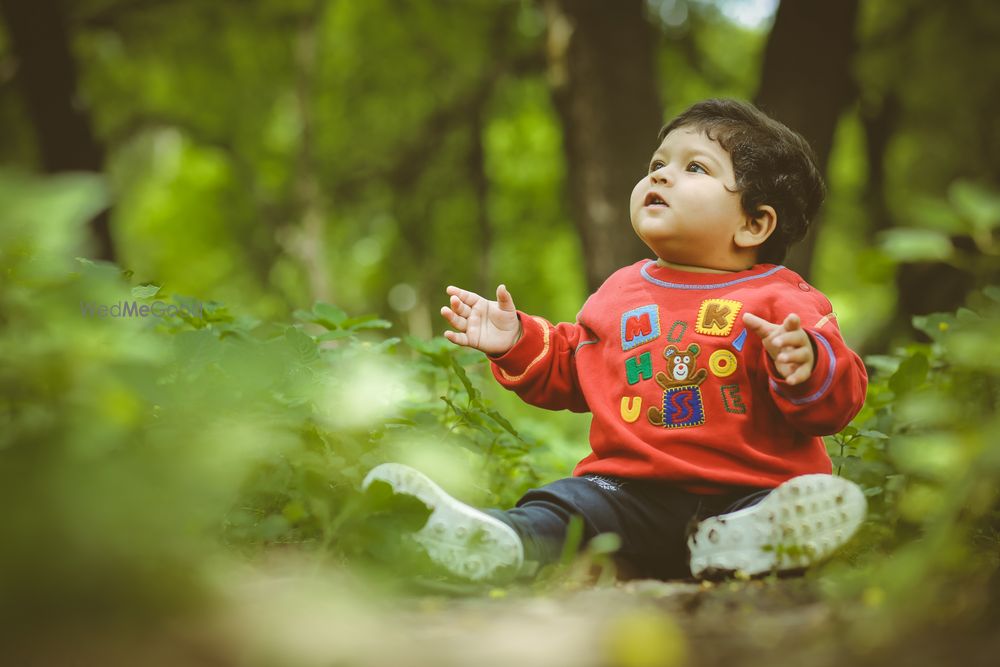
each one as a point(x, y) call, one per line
point(679, 389)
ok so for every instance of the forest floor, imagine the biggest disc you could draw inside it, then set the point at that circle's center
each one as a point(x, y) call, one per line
point(330, 621)
point(640, 623)
point(335, 621)
point(290, 616)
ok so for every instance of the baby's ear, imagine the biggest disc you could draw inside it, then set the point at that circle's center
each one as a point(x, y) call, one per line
point(755, 230)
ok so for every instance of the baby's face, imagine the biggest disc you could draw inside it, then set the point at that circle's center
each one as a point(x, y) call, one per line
point(686, 209)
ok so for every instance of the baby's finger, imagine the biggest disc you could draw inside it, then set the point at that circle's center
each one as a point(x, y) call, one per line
point(792, 322)
point(455, 320)
point(460, 308)
point(457, 338)
point(794, 355)
point(504, 299)
point(791, 340)
point(800, 374)
point(758, 325)
point(466, 297)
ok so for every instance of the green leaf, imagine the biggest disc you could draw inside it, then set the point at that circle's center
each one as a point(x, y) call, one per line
point(328, 315)
point(303, 344)
point(977, 204)
point(934, 325)
point(934, 213)
point(916, 245)
point(387, 344)
point(460, 372)
point(145, 291)
point(294, 512)
point(605, 543)
point(365, 322)
point(500, 419)
point(336, 334)
point(911, 374)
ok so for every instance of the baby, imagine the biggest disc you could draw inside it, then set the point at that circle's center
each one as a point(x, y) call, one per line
point(711, 373)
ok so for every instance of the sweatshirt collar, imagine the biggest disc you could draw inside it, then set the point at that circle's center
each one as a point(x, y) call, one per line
point(690, 280)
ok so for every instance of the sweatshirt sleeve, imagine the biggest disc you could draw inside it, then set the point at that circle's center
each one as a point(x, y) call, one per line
point(541, 367)
point(835, 391)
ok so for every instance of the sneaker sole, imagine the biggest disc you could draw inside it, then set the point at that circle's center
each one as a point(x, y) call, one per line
point(800, 523)
point(466, 542)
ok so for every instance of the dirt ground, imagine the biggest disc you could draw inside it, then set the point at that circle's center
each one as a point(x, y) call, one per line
point(324, 619)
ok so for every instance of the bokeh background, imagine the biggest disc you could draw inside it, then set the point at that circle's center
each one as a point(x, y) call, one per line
point(307, 176)
point(270, 154)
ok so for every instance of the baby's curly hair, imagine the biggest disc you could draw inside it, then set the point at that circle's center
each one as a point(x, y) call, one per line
point(774, 165)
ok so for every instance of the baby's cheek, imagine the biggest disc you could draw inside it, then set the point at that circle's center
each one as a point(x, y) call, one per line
point(633, 199)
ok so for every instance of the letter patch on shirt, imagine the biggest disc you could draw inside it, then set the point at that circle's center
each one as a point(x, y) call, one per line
point(631, 407)
point(716, 317)
point(640, 326)
point(722, 363)
point(682, 406)
point(639, 368)
point(732, 400)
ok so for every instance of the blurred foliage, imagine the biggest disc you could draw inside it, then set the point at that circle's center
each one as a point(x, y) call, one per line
point(142, 446)
point(924, 450)
point(150, 448)
point(331, 92)
point(136, 454)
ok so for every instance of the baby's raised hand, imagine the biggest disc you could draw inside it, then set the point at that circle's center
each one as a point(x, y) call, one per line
point(490, 326)
point(788, 345)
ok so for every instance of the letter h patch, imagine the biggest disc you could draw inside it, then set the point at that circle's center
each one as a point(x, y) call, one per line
point(640, 326)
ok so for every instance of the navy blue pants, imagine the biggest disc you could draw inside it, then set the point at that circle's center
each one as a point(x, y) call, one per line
point(652, 518)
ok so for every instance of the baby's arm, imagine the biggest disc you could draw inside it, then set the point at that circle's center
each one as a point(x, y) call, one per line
point(788, 345)
point(489, 326)
point(541, 368)
point(816, 380)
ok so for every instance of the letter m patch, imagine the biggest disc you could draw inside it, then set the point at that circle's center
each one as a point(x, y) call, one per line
point(640, 326)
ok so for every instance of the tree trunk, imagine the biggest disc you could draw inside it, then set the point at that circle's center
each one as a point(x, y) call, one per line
point(46, 73)
point(879, 121)
point(307, 242)
point(481, 188)
point(921, 287)
point(806, 82)
point(601, 60)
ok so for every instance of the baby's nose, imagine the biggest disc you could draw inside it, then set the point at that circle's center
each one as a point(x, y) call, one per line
point(661, 175)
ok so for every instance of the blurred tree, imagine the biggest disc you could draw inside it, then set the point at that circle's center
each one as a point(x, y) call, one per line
point(610, 113)
point(919, 142)
point(47, 75)
point(806, 82)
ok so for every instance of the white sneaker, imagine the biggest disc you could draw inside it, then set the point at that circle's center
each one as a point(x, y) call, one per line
point(798, 524)
point(465, 541)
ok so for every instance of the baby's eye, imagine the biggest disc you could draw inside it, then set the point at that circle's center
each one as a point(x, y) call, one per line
point(697, 168)
point(654, 165)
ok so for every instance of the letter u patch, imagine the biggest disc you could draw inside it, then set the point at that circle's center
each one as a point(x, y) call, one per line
point(631, 407)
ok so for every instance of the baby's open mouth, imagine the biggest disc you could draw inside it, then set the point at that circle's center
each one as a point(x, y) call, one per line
point(653, 199)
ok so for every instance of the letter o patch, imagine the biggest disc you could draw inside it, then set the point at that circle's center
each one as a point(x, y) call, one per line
point(722, 363)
